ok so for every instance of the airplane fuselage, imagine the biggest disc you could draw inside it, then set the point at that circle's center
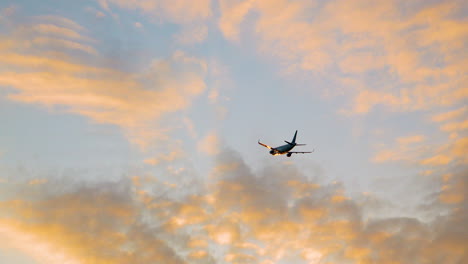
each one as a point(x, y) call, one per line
point(282, 149)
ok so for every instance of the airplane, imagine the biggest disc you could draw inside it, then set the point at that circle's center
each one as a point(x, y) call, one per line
point(285, 149)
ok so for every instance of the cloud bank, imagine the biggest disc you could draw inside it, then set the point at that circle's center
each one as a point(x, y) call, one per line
point(276, 215)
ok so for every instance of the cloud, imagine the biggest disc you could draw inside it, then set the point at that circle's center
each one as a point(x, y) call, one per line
point(437, 160)
point(412, 49)
point(63, 22)
point(459, 149)
point(62, 43)
point(104, 4)
point(178, 11)
point(40, 250)
point(51, 33)
point(405, 149)
point(89, 219)
point(38, 181)
point(8, 11)
point(167, 157)
point(455, 126)
point(138, 25)
point(361, 62)
point(192, 35)
point(210, 144)
point(51, 29)
point(454, 190)
point(275, 215)
point(410, 139)
point(442, 117)
point(132, 101)
point(411, 150)
point(233, 12)
point(96, 13)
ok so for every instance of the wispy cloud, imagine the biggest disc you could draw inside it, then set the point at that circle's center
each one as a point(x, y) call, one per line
point(442, 117)
point(233, 13)
point(105, 95)
point(179, 11)
point(61, 21)
point(192, 35)
point(455, 126)
point(210, 144)
point(413, 50)
point(410, 139)
point(50, 29)
point(406, 149)
point(62, 43)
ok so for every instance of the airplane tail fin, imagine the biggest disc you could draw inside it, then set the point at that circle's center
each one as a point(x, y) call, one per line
point(293, 142)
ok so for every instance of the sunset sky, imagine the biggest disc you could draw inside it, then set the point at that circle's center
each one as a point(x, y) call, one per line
point(129, 128)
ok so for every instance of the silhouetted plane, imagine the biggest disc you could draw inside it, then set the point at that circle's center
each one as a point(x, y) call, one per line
point(285, 149)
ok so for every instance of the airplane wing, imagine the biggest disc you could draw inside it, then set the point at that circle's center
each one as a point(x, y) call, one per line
point(300, 152)
point(266, 146)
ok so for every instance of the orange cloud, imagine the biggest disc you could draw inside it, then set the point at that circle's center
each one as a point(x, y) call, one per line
point(361, 63)
point(59, 43)
point(36, 247)
point(102, 94)
point(240, 217)
point(449, 115)
point(459, 148)
point(400, 43)
point(410, 140)
point(455, 126)
point(437, 156)
point(453, 191)
point(51, 29)
point(405, 149)
point(210, 144)
point(167, 157)
point(437, 160)
point(233, 14)
point(198, 254)
point(62, 22)
point(38, 181)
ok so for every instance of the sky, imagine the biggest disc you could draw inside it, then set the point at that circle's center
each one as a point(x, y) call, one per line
point(129, 131)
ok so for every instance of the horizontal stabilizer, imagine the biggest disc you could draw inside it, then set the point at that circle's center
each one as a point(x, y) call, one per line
point(300, 144)
point(300, 152)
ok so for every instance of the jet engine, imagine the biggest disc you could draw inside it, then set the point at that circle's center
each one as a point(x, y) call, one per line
point(289, 154)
